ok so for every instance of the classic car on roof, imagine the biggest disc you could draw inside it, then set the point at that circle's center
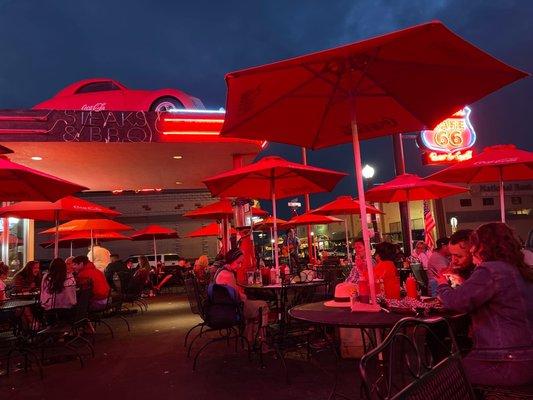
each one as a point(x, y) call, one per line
point(100, 94)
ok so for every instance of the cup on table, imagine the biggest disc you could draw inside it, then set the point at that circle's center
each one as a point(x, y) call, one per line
point(250, 277)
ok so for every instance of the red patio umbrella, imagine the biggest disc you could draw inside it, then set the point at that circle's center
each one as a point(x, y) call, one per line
point(311, 219)
point(20, 183)
point(67, 208)
point(268, 223)
point(404, 81)
point(494, 164)
point(221, 210)
point(153, 232)
point(409, 187)
point(345, 205)
point(208, 230)
point(89, 225)
point(83, 239)
point(272, 178)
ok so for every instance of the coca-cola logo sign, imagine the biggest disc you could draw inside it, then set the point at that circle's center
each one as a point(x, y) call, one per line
point(93, 107)
point(451, 135)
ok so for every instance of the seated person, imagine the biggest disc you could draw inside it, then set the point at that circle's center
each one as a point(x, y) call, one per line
point(421, 254)
point(200, 269)
point(226, 276)
point(182, 267)
point(4, 271)
point(115, 266)
point(29, 278)
point(499, 298)
point(359, 268)
point(385, 271)
point(58, 289)
point(88, 275)
point(462, 264)
point(141, 277)
point(438, 260)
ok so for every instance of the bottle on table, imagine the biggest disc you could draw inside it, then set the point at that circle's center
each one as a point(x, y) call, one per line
point(411, 287)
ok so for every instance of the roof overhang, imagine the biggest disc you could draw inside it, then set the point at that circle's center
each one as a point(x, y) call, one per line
point(115, 150)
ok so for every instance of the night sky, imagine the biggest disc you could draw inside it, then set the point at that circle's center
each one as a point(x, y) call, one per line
point(45, 45)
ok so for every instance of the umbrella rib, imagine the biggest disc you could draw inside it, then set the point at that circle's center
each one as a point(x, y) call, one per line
point(323, 78)
point(271, 104)
point(395, 98)
point(326, 111)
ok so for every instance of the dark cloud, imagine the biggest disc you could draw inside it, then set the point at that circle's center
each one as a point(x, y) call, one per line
point(191, 45)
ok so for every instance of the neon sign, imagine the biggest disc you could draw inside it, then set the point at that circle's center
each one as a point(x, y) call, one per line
point(450, 141)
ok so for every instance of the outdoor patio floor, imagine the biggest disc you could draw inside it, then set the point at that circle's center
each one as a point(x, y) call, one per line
point(151, 362)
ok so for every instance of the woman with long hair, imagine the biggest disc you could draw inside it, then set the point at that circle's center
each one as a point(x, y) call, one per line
point(200, 269)
point(28, 278)
point(499, 297)
point(58, 289)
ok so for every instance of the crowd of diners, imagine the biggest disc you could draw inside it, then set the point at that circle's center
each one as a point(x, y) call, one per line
point(484, 273)
point(481, 272)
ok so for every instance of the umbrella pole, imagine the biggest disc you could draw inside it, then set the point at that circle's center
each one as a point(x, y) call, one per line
point(92, 246)
point(155, 261)
point(275, 214)
point(56, 239)
point(362, 201)
point(348, 255)
point(502, 198)
point(272, 244)
point(409, 228)
point(71, 248)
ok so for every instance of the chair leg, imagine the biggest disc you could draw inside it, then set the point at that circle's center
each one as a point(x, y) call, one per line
point(108, 327)
point(125, 321)
point(190, 331)
point(76, 353)
point(203, 348)
point(194, 340)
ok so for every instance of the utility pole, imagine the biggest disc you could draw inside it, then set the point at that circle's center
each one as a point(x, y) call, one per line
point(399, 165)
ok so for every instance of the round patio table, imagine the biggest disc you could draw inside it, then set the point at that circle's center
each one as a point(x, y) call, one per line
point(281, 290)
point(318, 313)
point(13, 304)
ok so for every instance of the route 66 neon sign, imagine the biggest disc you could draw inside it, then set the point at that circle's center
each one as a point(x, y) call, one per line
point(452, 135)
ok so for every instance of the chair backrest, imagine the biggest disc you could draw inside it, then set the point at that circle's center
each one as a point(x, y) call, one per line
point(421, 276)
point(193, 294)
point(223, 309)
point(419, 360)
point(83, 300)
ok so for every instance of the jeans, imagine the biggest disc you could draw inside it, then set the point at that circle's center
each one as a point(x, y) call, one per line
point(498, 373)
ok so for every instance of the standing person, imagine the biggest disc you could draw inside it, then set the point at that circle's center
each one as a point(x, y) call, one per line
point(438, 260)
point(499, 297)
point(421, 254)
point(100, 256)
point(4, 271)
point(88, 274)
point(291, 246)
point(58, 288)
point(29, 278)
point(114, 267)
point(385, 270)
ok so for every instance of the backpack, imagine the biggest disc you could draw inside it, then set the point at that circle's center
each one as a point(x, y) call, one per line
point(223, 308)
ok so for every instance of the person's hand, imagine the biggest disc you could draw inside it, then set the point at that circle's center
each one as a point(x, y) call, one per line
point(442, 279)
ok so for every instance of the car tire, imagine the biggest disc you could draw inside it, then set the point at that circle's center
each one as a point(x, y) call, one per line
point(166, 104)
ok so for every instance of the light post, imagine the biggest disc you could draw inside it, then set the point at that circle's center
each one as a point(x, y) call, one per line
point(368, 173)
